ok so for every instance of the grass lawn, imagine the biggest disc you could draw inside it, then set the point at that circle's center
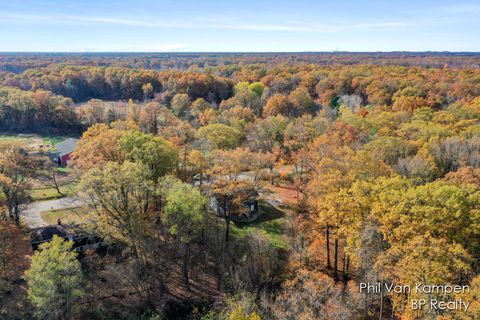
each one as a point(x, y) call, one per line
point(48, 193)
point(32, 140)
point(271, 223)
point(64, 169)
point(69, 215)
point(54, 139)
point(14, 139)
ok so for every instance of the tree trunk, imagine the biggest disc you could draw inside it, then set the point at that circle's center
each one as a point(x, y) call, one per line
point(184, 163)
point(272, 182)
point(55, 183)
point(327, 236)
point(335, 260)
point(367, 305)
point(227, 230)
point(381, 302)
point(155, 126)
point(347, 268)
point(186, 254)
point(16, 213)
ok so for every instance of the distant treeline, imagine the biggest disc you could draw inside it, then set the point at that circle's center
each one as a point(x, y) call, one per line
point(47, 93)
point(117, 83)
point(38, 111)
point(19, 62)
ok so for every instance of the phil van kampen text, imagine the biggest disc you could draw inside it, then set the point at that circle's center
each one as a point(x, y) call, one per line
point(428, 294)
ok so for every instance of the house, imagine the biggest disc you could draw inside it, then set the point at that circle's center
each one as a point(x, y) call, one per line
point(81, 239)
point(64, 150)
point(248, 212)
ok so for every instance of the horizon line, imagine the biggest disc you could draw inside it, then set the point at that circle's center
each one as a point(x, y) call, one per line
point(243, 52)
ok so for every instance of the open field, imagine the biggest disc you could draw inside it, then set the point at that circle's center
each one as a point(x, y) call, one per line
point(31, 141)
point(14, 139)
point(48, 193)
point(67, 216)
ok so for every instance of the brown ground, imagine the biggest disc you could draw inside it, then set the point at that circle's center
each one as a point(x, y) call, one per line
point(109, 291)
point(287, 194)
point(13, 291)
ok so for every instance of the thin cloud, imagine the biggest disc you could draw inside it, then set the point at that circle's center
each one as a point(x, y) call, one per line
point(185, 23)
point(172, 47)
point(459, 8)
point(128, 22)
point(261, 27)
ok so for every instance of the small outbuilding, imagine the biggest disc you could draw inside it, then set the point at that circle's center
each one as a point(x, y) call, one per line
point(65, 149)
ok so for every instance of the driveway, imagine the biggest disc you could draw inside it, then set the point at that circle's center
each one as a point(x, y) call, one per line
point(31, 216)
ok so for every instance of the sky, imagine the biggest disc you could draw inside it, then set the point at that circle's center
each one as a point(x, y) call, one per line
point(238, 26)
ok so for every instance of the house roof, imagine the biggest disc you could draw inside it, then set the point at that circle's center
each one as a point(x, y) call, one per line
point(67, 146)
point(46, 233)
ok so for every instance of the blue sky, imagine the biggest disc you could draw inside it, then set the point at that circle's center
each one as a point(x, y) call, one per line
point(247, 25)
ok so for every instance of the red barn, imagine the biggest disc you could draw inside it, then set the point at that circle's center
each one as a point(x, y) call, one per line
point(64, 150)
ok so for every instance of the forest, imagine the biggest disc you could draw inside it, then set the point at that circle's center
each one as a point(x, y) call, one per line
point(240, 186)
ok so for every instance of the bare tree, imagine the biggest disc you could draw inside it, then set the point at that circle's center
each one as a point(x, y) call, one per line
point(352, 101)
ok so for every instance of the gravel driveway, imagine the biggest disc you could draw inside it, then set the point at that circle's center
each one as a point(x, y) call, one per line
point(31, 216)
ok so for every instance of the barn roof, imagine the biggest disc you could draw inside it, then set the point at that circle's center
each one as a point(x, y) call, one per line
point(66, 146)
